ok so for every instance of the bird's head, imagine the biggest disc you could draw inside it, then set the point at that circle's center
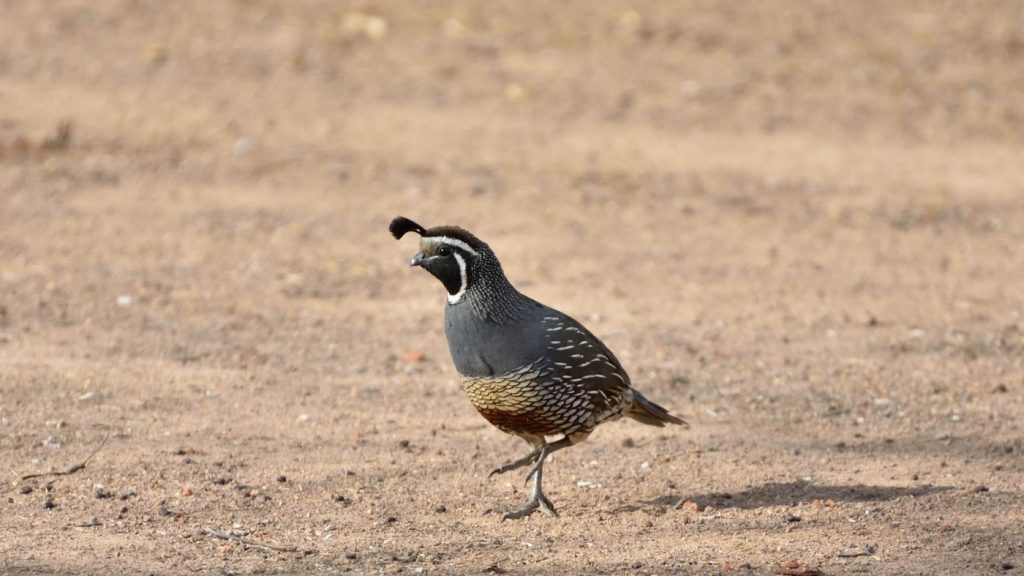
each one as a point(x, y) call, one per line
point(454, 256)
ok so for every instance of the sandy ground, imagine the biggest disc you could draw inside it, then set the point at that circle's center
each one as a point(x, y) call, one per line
point(799, 225)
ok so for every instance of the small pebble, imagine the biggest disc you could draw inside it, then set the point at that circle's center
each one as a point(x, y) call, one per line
point(688, 506)
point(25, 490)
point(282, 478)
point(243, 146)
point(981, 488)
point(337, 497)
point(441, 509)
point(49, 504)
point(221, 480)
point(103, 494)
point(126, 494)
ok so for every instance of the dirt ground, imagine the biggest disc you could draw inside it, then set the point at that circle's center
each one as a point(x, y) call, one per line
point(800, 225)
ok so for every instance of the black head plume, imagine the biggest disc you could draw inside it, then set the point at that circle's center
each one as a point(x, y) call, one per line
point(400, 225)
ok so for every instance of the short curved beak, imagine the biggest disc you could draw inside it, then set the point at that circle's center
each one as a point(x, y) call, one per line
point(418, 259)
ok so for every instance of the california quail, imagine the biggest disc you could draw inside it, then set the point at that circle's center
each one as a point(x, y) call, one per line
point(530, 370)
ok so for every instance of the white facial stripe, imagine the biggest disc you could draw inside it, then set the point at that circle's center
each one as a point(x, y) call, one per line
point(453, 242)
point(456, 298)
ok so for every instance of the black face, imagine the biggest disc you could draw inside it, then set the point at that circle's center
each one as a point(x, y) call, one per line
point(448, 252)
point(441, 261)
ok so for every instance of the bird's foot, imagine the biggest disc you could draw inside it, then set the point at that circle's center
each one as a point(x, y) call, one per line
point(530, 458)
point(537, 502)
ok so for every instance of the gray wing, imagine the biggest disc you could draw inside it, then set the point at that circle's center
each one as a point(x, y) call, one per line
point(579, 365)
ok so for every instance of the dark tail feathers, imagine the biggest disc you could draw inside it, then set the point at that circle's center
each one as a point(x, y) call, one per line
point(647, 412)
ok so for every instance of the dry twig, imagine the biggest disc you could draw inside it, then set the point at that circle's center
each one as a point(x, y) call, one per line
point(248, 542)
point(73, 469)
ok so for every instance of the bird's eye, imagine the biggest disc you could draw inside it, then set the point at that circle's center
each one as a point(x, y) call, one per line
point(444, 251)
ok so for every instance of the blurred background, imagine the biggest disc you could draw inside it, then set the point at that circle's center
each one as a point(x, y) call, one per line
point(798, 224)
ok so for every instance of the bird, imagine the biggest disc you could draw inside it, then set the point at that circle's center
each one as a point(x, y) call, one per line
point(528, 369)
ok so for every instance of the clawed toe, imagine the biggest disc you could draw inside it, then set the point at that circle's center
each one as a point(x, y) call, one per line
point(542, 503)
point(505, 468)
point(547, 506)
point(521, 513)
point(531, 458)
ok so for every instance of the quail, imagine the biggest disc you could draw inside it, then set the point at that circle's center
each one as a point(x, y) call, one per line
point(530, 370)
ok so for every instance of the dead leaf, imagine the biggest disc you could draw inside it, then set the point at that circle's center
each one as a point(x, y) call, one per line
point(413, 357)
point(795, 568)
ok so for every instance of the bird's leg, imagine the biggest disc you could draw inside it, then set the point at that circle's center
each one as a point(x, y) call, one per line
point(537, 457)
point(524, 461)
point(537, 498)
point(546, 451)
point(533, 458)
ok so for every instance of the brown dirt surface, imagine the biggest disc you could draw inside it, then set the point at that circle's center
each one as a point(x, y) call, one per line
point(800, 225)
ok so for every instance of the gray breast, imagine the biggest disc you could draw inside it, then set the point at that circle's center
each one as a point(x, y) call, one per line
point(482, 347)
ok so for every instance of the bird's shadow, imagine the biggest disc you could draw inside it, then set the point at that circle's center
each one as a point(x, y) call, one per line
point(790, 494)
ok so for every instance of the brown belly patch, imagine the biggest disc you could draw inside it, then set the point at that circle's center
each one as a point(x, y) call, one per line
point(533, 422)
point(519, 404)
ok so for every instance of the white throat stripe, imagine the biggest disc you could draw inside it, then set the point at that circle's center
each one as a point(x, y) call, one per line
point(456, 298)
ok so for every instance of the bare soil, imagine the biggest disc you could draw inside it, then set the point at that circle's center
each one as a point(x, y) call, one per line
point(799, 225)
